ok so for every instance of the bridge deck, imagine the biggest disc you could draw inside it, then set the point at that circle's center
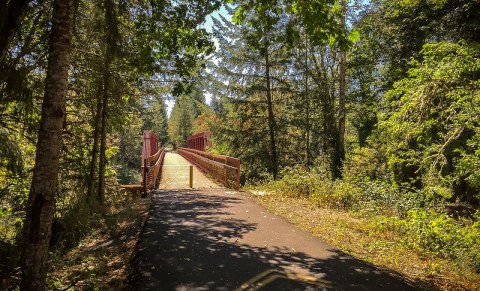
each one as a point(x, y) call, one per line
point(175, 174)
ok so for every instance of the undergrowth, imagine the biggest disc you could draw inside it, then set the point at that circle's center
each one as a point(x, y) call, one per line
point(71, 225)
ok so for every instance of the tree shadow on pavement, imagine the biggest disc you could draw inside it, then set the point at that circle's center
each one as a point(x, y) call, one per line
point(189, 243)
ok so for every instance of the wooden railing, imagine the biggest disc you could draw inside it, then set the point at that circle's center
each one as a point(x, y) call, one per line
point(224, 169)
point(152, 169)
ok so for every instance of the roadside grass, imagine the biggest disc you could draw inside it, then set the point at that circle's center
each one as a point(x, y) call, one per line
point(367, 238)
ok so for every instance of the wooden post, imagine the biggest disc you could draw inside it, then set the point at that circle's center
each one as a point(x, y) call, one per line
point(145, 177)
point(238, 175)
point(191, 176)
point(213, 166)
point(226, 174)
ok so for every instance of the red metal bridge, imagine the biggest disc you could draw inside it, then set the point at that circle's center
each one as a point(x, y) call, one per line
point(223, 169)
point(200, 141)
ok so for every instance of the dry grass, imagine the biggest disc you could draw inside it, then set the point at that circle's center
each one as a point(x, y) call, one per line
point(100, 260)
point(359, 237)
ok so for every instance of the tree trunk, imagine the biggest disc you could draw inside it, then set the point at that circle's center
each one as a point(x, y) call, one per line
point(340, 152)
point(107, 79)
point(103, 131)
point(41, 200)
point(11, 15)
point(95, 148)
point(330, 132)
point(271, 118)
point(307, 100)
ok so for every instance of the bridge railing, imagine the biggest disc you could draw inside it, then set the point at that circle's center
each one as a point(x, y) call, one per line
point(152, 169)
point(224, 169)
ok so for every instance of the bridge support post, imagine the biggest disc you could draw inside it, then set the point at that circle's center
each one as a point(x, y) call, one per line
point(144, 176)
point(191, 176)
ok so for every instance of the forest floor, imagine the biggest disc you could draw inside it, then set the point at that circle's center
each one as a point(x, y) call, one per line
point(356, 236)
point(100, 260)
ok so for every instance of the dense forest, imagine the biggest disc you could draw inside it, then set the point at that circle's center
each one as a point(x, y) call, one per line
point(370, 108)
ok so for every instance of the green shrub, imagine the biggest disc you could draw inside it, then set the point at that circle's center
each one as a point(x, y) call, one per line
point(336, 194)
point(362, 194)
point(374, 196)
point(294, 182)
point(470, 243)
point(299, 182)
point(439, 235)
point(363, 162)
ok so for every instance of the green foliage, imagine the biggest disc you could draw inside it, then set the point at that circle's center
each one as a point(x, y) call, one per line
point(319, 18)
point(354, 193)
point(169, 36)
point(155, 119)
point(297, 181)
point(127, 159)
point(392, 34)
point(10, 154)
point(365, 163)
point(180, 123)
point(322, 191)
point(300, 109)
point(336, 194)
point(439, 234)
point(429, 132)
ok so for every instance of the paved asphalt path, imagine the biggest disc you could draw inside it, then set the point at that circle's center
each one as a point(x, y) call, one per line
point(219, 239)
